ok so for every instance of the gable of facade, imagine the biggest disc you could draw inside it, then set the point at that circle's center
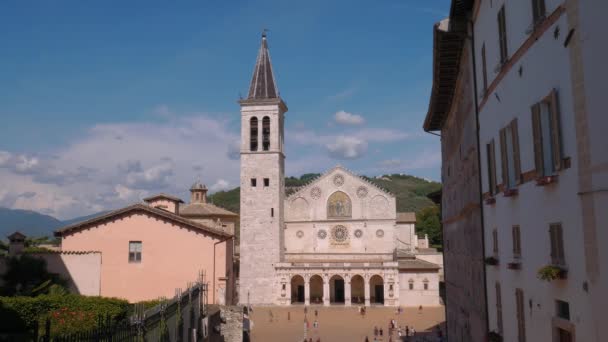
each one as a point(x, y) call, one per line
point(339, 195)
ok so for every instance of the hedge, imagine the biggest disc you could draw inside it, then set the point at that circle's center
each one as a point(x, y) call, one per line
point(68, 313)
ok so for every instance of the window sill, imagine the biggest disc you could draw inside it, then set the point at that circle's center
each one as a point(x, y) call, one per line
point(514, 265)
point(510, 192)
point(546, 180)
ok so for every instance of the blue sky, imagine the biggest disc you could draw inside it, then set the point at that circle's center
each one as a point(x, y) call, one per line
point(105, 102)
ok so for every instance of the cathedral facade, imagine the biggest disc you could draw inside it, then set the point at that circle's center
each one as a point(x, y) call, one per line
point(338, 240)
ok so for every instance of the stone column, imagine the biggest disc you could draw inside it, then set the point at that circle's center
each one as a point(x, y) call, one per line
point(326, 295)
point(289, 294)
point(347, 290)
point(307, 291)
point(366, 287)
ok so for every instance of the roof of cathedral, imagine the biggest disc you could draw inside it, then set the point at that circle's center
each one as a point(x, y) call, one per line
point(139, 208)
point(330, 171)
point(204, 209)
point(263, 85)
point(163, 195)
point(407, 217)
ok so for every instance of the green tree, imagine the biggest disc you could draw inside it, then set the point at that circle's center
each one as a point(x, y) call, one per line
point(28, 276)
point(428, 221)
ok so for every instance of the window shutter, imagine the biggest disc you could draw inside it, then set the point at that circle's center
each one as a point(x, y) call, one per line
point(493, 151)
point(516, 159)
point(503, 158)
point(514, 237)
point(553, 243)
point(560, 244)
point(535, 13)
point(556, 139)
point(538, 144)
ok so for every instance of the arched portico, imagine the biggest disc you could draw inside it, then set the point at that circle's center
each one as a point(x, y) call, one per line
point(357, 289)
point(316, 289)
point(376, 290)
point(297, 290)
point(336, 290)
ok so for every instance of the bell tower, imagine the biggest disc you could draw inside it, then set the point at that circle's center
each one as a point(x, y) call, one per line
point(262, 184)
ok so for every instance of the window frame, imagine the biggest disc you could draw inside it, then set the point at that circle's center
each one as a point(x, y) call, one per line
point(484, 68)
point(253, 182)
point(491, 165)
point(516, 237)
point(253, 134)
point(502, 35)
point(510, 155)
point(495, 241)
point(266, 182)
point(539, 11)
point(498, 292)
point(135, 257)
point(551, 102)
point(520, 314)
point(556, 238)
point(266, 133)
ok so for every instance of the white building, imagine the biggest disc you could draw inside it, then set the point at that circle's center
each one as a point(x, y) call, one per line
point(543, 166)
point(338, 240)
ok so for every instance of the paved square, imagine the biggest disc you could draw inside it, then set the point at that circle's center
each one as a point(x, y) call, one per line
point(338, 323)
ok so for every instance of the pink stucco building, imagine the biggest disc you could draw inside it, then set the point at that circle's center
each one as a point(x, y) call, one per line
point(148, 249)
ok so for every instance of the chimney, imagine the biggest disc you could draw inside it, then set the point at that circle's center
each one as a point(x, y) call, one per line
point(16, 243)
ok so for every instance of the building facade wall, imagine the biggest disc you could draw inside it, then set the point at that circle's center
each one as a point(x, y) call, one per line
point(461, 214)
point(418, 295)
point(83, 271)
point(539, 63)
point(172, 256)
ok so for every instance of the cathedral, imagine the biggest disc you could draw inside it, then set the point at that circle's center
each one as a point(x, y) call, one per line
point(337, 241)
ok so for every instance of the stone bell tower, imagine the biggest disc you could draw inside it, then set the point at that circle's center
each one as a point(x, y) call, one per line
point(262, 184)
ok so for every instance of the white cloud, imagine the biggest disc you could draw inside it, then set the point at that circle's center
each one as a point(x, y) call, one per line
point(118, 164)
point(346, 118)
point(221, 184)
point(345, 147)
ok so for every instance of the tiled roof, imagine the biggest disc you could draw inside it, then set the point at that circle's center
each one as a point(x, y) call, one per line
point(416, 264)
point(162, 195)
point(140, 208)
point(66, 252)
point(204, 209)
point(263, 85)
point(407, 217)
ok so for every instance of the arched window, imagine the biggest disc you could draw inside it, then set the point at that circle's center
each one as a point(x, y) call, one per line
point(266, 133)
point(339, 205)
point(253, 134)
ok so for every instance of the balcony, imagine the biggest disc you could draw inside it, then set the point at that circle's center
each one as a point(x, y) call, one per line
point(510, 192)
point(546, 180)
point(491, 261)
point(514, 265)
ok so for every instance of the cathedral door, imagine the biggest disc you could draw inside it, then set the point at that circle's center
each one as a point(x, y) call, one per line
point(339, 290)
point(300, 293)
point(379, 291)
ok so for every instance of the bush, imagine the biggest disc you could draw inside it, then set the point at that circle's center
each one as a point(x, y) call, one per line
point(25, 275)
point(68, 313)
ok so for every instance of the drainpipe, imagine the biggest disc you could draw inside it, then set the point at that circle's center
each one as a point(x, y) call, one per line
point(215, 244)
point(477, 129)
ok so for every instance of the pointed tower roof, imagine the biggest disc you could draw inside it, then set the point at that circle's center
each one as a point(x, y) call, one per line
point(263, 85)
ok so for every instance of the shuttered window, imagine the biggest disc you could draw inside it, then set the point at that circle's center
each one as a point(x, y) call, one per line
point(484, 68)
point(521, 320)
point(557, 244)
point(546, 130)
point(502, 35)
point(516, 234)
point(495, 241)
point(498, 308)
point(509, 146)
point(491, 159)
point(538, 11)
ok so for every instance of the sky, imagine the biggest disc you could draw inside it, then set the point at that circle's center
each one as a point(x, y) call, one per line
point(106, 102)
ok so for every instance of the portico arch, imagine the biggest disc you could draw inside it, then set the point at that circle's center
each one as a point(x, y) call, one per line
point(297, 289)
point(376, 289)
point(336, 290)
point(316, 289)
point(357, 289)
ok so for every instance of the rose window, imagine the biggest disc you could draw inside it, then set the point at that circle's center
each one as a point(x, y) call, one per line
point(339, 233)
point(322, 234)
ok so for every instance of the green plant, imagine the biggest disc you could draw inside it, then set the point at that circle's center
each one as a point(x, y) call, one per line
point(28, 276)
point(551, 272)
point(68, 313)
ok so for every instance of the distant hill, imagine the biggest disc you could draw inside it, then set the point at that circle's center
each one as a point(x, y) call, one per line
point(31, 223)
point(410, 191)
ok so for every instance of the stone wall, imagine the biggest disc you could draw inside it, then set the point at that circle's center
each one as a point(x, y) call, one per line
point(225, 323)
point(461, 215)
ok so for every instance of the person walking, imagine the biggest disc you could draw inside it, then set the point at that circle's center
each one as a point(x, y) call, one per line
point(375, 331)
point(316, 313)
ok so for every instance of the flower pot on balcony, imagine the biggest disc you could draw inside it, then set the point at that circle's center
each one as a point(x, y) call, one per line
point(552, 272)
point(546, 180)
point(510, 192)
point(490, 200)
point(515, 265)
point(492, 261)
